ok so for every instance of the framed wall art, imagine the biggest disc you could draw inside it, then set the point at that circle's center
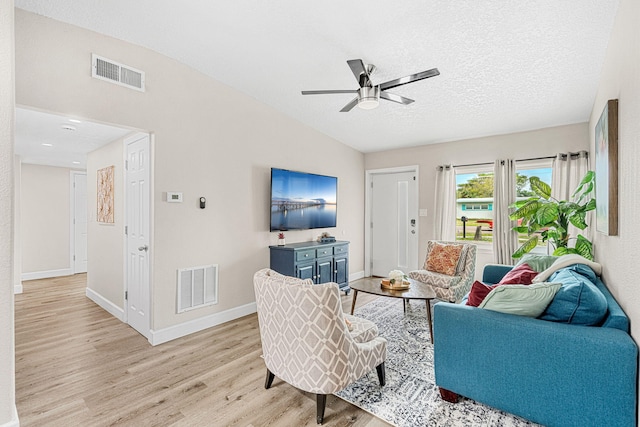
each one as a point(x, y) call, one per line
point(606, 140)
point(105, 195)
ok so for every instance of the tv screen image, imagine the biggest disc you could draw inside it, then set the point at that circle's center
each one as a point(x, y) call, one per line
point(301, 201)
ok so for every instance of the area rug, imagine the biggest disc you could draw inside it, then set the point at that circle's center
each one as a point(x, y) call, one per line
point(410, 396)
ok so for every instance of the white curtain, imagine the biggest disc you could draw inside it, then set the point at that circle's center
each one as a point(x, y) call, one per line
point(505, 240)
point(568, 171)
point(445, 204)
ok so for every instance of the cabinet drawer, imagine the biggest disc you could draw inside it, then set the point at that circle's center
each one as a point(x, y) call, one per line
point(323, 252)
point(340, 249)
point(306, 254)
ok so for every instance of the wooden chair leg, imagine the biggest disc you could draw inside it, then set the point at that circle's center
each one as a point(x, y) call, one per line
point(321, 402)
point(269, 380)
point(381, 374)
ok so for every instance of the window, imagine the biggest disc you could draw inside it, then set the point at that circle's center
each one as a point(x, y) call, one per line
point(524, 170)
point(474, 197)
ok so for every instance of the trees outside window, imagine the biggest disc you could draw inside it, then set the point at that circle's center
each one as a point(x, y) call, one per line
point(475, 198)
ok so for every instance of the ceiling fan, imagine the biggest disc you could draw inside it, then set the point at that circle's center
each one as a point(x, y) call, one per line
point(368, 95)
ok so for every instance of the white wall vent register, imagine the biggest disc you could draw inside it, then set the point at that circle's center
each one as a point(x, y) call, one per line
point(114, 72)
point(197, 287)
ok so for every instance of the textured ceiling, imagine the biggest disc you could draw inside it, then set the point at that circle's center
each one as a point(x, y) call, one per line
point(506, 66)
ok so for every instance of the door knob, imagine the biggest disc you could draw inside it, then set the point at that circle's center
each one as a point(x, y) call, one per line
point(143, 248)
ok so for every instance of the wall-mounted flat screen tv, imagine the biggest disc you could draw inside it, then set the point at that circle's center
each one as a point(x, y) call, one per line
point(300, 201)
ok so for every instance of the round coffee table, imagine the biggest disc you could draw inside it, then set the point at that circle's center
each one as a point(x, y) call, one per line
point(417, 290)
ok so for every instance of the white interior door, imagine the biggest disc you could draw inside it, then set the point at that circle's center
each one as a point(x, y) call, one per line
point(137, 233)
point(79, 222)
point(394, 236)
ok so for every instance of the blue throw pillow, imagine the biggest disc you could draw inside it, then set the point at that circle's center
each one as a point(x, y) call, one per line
point(578, 301)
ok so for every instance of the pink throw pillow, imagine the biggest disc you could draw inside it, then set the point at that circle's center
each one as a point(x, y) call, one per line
point(521, 275)
point(478, 293)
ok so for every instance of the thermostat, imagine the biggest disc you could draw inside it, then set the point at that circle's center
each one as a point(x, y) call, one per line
point(173, 197)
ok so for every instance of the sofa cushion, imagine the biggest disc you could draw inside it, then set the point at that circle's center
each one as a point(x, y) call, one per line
point(579, 301)
point(435, 279)
point(522, 274)
point(538, 262)
point(443, 259)
point(478, 293)
point(523, 300)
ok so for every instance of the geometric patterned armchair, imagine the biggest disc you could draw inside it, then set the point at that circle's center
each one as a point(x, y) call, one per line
point(306, 341)
point(449, 268)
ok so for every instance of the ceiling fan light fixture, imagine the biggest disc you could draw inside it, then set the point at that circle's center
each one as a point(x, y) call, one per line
point(368, 97)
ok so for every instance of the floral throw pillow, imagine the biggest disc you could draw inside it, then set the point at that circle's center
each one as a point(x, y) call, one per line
point(443, 259)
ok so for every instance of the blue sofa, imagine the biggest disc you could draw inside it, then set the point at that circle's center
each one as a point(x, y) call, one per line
point(555, 374)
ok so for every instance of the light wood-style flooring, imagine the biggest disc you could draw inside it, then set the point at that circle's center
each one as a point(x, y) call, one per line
point(76, 365)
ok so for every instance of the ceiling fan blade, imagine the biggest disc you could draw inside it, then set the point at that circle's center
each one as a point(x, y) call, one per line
point(396, 98)
point(350, 105)
point(360, 71)
point(410, 79)
point(323, 92)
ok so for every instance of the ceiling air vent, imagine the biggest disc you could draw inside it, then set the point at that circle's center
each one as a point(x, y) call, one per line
point(111, 71)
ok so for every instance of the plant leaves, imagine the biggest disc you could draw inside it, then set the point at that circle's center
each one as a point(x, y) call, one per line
point(584, 247)
point(585, 187)
point(546, 213)
point(539, 187)
point(578, 219)
point(526, 247)
point(563, 251)
point(521, 229)
point(526, 211)
point(591, 205)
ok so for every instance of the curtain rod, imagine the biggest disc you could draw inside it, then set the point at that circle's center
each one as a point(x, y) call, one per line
point(526, 160)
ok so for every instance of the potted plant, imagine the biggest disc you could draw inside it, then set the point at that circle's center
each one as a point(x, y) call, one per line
point(549, 218)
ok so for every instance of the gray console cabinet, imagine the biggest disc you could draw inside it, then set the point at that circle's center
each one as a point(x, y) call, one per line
point(320, 262)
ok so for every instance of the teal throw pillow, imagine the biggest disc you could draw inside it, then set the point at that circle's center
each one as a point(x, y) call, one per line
point(579, 301)
point(523, 300)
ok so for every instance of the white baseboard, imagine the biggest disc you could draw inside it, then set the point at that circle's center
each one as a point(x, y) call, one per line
point(105, 304)
point(176, 331)
point(47, 274)
point(356, 276)
point(14, 422)
point(17, 289)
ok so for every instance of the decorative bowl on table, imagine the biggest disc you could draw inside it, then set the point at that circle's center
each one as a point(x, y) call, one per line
point(396, 286)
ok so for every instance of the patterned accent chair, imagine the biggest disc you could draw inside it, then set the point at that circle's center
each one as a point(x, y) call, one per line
point(451, 288)
point(306, 341)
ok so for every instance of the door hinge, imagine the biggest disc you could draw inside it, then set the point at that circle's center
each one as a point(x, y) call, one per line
point(126, 295)
point(74, 257)
point(371, 184)
point(126, 165)
point(126, 230)
point(371, 224)
point(414, 178)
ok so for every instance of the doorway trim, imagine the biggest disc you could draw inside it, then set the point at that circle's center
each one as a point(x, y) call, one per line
point(368, 207)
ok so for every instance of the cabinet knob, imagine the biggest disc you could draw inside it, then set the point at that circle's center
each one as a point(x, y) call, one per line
point(306, 255)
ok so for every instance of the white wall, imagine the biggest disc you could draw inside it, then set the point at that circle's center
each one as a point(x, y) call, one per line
point(210, 141)
point(45, 221)
point(105, 250)
point(523, 145)
point(8, 416)
point(620, 80)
